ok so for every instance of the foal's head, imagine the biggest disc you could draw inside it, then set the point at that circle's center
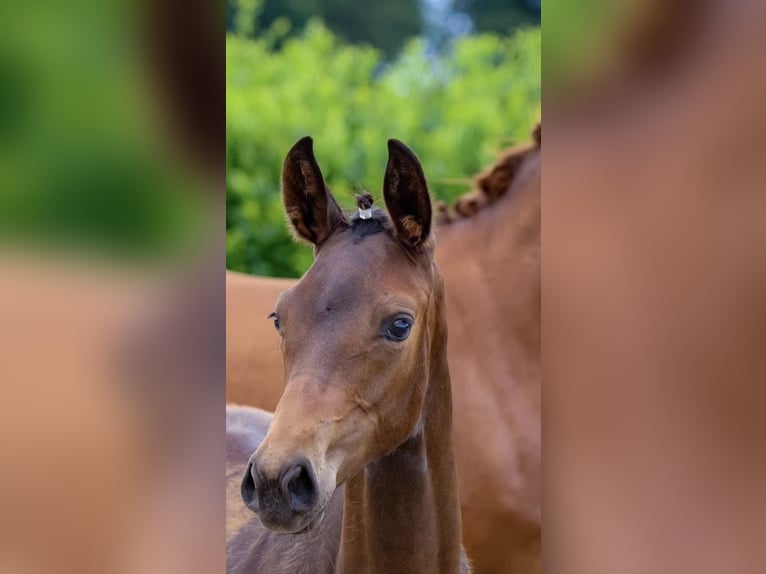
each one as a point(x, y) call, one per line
point(357, 333)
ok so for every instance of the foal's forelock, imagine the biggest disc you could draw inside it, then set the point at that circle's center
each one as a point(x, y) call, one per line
point(378, 222)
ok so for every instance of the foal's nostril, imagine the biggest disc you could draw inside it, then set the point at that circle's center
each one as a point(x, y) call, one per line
point(298, 486)
point(248, 488)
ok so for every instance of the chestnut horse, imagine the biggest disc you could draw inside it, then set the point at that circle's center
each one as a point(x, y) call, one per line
point(355, 470)
point(489, 254)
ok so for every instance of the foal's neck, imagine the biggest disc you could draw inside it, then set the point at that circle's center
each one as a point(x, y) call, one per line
point(401, 514)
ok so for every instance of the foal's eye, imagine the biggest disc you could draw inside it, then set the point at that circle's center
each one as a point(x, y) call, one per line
point(276, 320)
point(399, 329)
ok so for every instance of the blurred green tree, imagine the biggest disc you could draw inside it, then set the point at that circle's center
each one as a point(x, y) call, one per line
point(455, 110)
point(501, 16)
point(385, 25)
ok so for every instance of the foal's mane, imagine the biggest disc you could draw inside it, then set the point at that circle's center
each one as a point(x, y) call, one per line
point(489, 185)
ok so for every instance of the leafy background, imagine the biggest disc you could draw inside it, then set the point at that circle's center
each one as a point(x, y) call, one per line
point(455, 83)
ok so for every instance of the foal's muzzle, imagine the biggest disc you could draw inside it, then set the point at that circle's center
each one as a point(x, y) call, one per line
point(285, 502)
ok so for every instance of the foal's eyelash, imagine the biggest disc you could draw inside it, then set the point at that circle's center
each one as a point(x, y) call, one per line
point(275, 318)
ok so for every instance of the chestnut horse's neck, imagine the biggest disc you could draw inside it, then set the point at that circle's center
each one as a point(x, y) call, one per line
point(494, 258)
point(401, 513)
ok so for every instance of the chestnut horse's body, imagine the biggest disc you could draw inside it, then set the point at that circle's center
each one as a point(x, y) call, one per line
point(491, 268)
point(490, 261)
point(252, 347)
point(355, 470)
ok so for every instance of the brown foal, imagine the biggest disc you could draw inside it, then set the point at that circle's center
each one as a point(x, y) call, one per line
point(355, 470)
point(489, 256)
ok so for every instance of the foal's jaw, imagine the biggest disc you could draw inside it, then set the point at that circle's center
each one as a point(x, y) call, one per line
point(310, 450)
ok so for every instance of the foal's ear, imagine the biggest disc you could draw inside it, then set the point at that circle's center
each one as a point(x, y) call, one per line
point(309, 205)
point(406, 195)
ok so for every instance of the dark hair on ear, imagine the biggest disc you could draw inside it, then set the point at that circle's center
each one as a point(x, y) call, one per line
point(309, 204)
point(407, 199)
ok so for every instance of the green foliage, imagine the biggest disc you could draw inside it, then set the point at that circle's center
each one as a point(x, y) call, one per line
point(385, 25)
point(583, 37)
point(84, 168)
point(456, 112)
point(243, 15)
point(500, 15)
